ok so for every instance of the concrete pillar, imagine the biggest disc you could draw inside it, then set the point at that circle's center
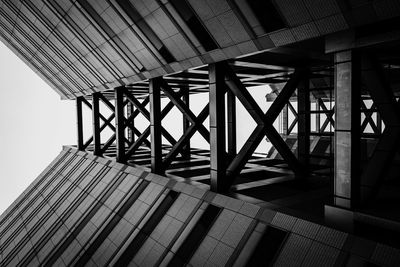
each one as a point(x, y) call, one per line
point(303, 124)
point(129, 112)
point(217, 128)
point(347, 129)
point(119, 124)
point(96, 124)
point(186, 124)
point(155, 125)
point(318, 115)
point(346, 141)
point(79, 121)
point(231, 107)
point(285, 120)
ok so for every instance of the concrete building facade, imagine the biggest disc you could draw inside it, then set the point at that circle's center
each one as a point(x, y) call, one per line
point(140, 195)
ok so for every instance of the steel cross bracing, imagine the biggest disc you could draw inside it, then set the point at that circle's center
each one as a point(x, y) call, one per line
point(140, 107)
point(387, 146)
point(329, 115)
point(374, 122)
point(97, 116)
point(222, 76)
point(233, 78)
point(295, 120)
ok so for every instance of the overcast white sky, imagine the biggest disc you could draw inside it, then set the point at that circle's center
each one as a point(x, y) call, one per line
point(34, 123)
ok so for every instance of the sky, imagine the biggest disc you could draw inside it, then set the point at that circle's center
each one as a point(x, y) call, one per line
point(34, 124)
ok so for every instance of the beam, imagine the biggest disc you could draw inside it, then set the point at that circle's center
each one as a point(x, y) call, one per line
point(155, 125)
point(96, 124)
point(119, 124)
point(318, 115)
point(142, 137)
point(264, 122)
point(303, 124)
point(387, 145)
point(218, 159)
point(347, 129)
point(295, 120)
point(79, 122)
point(196, 122)
point(285, 120)
point(186, 123)
point(175, 98)
point(231, 109)
point(130, 110)
point(185, 137)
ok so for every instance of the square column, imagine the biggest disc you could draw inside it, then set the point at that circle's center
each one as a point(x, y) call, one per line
point(96, 124)
point(347, 129)
point(217, 128)
point(155, 125)
point(79, 122)
point(285, 120)
point(231, 109)
point(304, 125)
point(186, 123)
point(129, 111)
point(119, 124)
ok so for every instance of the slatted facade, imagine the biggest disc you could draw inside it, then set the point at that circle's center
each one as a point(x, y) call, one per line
point(82, 46)
point(86, 210)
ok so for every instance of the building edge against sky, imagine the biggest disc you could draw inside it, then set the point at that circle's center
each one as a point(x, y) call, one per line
point(333, 70)
point(25, 128)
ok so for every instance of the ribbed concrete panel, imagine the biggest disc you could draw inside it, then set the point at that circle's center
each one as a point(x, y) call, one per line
point(295, 12)
point(80, 47)
point(88, 210)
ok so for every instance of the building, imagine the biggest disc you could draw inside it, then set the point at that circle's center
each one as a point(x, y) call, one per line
point(325, 194)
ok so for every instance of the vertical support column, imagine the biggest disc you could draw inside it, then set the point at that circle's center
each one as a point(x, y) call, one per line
point(231, 102)
point(217, 128)
point(79, 122)
point(185, 98)
point(285, 120)
point(155, 125)
point(347, 129)
point(96, 124)
point(379, 123)
point(303, 110)
point(119, 123)
point(318, 115)
point(129, 112)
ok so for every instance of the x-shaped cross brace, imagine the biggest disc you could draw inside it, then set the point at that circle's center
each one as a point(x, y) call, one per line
point(388, 144)
point(106, 123)
point(196, 123)
point(296, 118)
point(142, 137)
point(368, 118)
point(329, 115)
point(264, 123)
point(111, 140)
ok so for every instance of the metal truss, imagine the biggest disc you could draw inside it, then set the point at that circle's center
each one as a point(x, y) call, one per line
point(222, 78)
point(387, 146)
point(375, 124)
point(321, 127)
point(124, 116)
point(97, 128)
point(140, 108)
point(329, 121)
point(223, 81)
point(196, 123)
point(293, 123)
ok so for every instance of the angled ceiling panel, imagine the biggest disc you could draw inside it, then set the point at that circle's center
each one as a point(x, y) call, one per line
point(84, 46)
